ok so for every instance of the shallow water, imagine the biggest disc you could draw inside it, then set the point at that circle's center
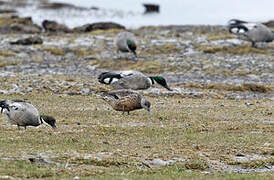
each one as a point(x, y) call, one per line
point(176, 12)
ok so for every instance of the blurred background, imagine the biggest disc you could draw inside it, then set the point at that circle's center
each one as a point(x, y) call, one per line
point(131, 13)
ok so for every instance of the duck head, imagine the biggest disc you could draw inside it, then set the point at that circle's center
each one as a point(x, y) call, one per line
point(160, 80)
point(4, 105)
point(132, 47)
point(146, 105)
point(49, 120)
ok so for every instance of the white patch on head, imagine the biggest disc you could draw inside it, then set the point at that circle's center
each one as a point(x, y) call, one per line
point(106, 80)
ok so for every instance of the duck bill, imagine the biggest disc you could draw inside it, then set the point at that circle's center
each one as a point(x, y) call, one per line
point(135, 54)
point(54, 126)
point(168, 88)
point(149, 112)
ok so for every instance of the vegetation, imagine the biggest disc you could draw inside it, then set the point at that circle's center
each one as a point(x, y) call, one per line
point(94, 141)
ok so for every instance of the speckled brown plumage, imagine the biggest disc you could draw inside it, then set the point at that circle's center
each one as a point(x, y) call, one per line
point(126, 100)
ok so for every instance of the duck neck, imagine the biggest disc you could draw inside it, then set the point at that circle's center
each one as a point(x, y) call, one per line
point(151, 80)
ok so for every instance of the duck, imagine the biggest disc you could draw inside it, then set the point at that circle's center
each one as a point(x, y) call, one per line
point(22, 113)
point(126, 100)
point(131, 79)
point(250, 31)
point(126, 42)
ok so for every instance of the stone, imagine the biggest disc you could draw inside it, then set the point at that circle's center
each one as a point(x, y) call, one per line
point(53, 26)
point(15, 24)
point(28, 41)
point(98, 26)
point(269, 23)
point(151, 8)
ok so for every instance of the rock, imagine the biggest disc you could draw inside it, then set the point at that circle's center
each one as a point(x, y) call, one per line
point(151, 8)
point(76, 178)
point(29, 29)
point(98, 26)
point(269, 23)
point(13, 3)
point(53, 26)
point(161, 162)
point(6, 177)
point(3, 91)
point(85, 91)
point(47, 5)
point(40, 161)
point(15, 24)
point(28, 41)
point(7, 11)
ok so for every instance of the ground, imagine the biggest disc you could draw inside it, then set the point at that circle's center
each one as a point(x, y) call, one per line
point(196, 138)
point(216, 123)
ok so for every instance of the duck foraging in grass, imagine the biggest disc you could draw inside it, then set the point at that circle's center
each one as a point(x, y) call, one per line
point(22, 113)
point(126, 42)
point(249, 31)
point(130, 79)
point(126, 100)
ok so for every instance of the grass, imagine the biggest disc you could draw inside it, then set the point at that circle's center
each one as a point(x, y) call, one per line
point(57, 51)
point(93, 141)
point(3, 64)
point(254, 87)
point(240, 50)
point(167, 48)
point(147, 66)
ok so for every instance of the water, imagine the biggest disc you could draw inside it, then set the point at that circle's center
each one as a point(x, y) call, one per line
point(172, 12)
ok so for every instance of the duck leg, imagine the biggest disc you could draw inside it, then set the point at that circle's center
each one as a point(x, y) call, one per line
point(123, 110)
point(253, 44)
point(128, 113)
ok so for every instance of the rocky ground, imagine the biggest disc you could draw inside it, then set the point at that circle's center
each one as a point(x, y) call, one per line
point(196, 58)
point(221, 86)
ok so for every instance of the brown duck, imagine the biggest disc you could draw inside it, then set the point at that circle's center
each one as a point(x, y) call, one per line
point(126, 100)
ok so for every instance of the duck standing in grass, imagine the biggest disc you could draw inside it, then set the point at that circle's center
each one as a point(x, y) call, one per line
point(22, 113)
point(253, 32)
point(130, 79)
point(126, 100)
point(126, 42)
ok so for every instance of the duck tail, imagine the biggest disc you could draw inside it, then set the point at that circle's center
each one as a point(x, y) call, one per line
point(105, 75)
point(236, 26)
point(106, 95)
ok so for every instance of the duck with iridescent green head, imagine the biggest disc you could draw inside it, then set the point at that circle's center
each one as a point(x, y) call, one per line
point(130, 79)
point(126, 42)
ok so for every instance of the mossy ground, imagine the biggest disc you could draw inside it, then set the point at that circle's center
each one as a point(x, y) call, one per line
point(94, 141)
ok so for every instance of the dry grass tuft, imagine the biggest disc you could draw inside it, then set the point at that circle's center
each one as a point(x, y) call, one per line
point(143, 66)
point(55, 50)
point(232, 87)
point(167, 48)
point(232, 50)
